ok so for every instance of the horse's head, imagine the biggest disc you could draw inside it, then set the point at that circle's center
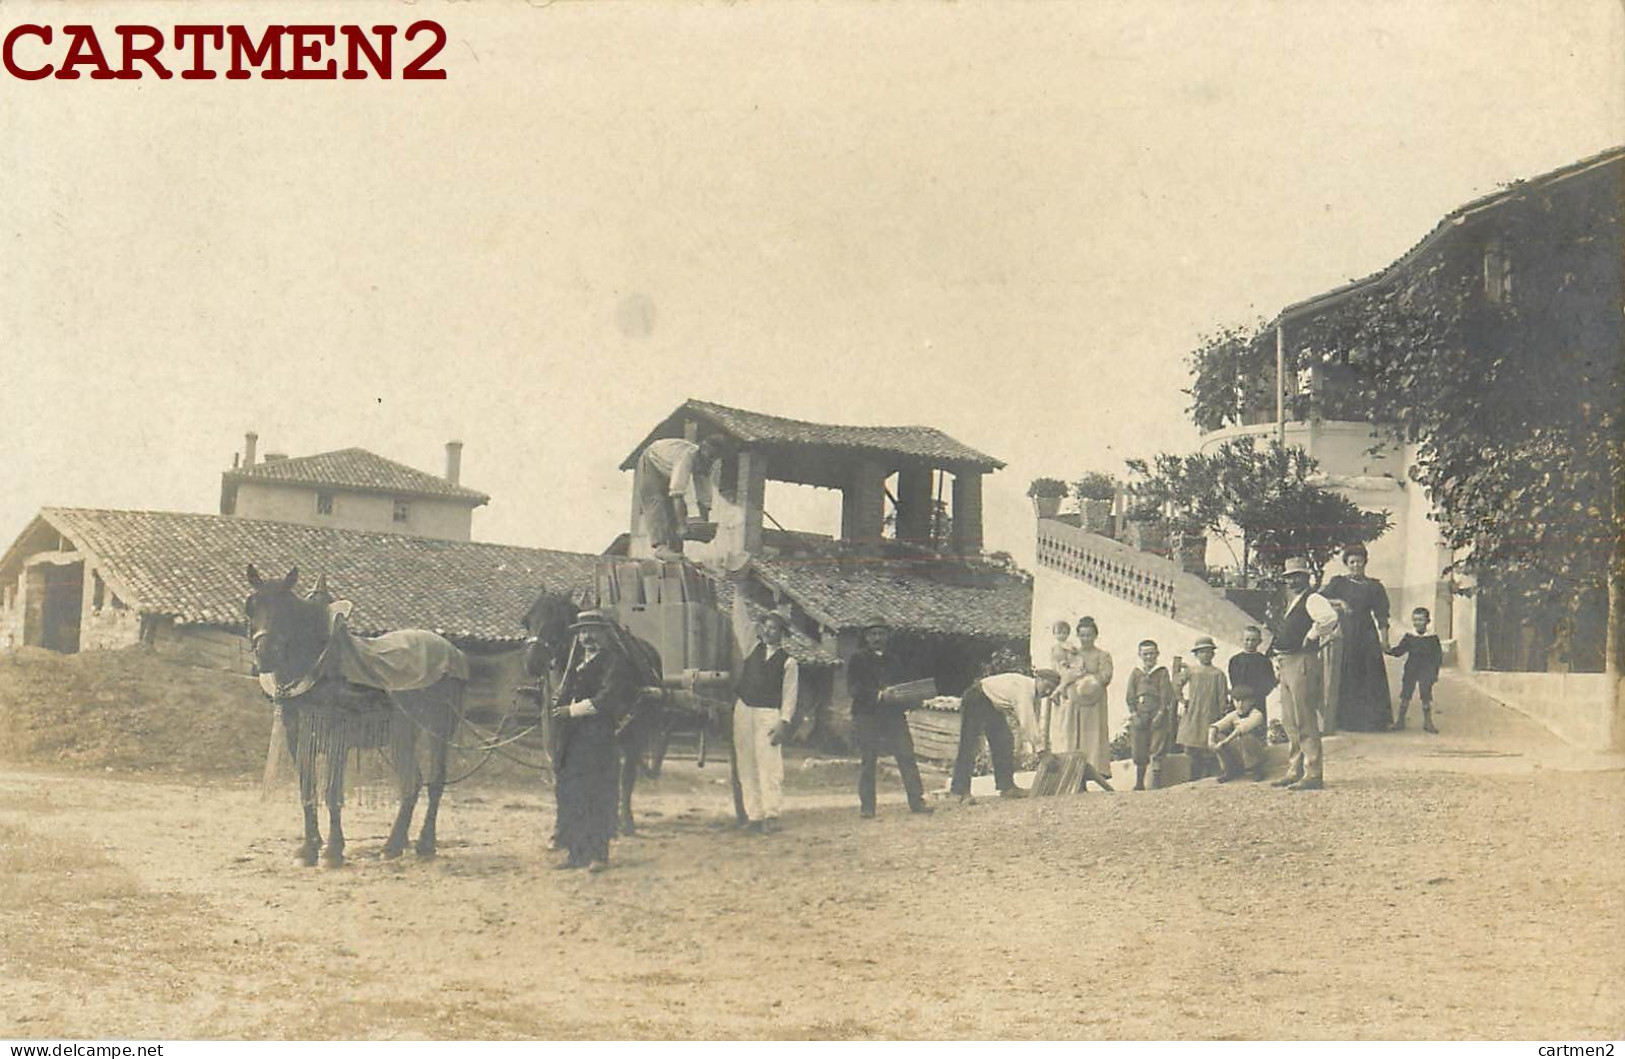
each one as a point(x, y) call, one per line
point(286, 631)
point(548, 623)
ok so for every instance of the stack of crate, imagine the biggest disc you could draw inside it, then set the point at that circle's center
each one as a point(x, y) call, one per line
point(672, 605)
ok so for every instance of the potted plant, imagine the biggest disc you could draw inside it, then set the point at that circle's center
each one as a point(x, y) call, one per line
point(1047, 494)
point(1191, 551)
point(1095, 492)
point(1146, 528)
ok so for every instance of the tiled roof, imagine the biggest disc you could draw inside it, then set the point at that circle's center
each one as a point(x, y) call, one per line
point(931, 596)
point(355, 469)
point(1452, 221)
point(191, 568)
point(806, 650)
point(754, 428)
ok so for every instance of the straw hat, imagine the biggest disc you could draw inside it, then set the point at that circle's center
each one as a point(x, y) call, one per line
point(1296, 566)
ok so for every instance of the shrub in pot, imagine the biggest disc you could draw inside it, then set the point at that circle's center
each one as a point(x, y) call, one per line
point(1095, 492)
point(1047, 494)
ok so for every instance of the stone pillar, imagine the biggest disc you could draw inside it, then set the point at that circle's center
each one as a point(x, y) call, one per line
point(914, 505)
point(750, 485)
point(638, 546)
point(967, 515)
point(863, 505)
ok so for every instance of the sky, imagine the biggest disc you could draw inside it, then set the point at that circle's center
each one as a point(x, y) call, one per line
point(1012, 222)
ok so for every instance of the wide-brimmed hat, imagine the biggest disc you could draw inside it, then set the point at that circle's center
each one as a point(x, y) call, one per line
point(876, 622)
point(591, 619)
point(1296, 566)
point(1244, 692)
point(1204, 643)
point(774, 616)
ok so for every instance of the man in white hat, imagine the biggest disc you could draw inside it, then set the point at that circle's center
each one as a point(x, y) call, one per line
point(1307, 623)
point(763, 716)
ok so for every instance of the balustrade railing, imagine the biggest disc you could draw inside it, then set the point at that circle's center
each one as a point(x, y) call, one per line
point(1144, 580)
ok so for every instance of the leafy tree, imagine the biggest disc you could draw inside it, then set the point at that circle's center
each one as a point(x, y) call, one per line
point(1262, 497)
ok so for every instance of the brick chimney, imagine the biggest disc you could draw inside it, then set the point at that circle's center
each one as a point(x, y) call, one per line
point(250, 442)
point(454, 461)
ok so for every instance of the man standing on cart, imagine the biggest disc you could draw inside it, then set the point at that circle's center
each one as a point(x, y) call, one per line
point(669, 470)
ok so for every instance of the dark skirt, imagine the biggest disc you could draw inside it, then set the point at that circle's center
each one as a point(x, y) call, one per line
point(1363, 703)
point(587, 789)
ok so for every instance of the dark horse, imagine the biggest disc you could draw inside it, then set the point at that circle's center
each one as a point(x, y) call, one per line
point(333, 700)
point(548, 622)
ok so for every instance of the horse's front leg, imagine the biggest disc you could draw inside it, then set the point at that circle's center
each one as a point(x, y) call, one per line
point(333, 853)
point(404, 747)
point(312, 842)
point(439, 753)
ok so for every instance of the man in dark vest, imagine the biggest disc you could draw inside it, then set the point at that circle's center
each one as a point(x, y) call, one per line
point(766, 692)
point(1306, 625)
point(879, 726)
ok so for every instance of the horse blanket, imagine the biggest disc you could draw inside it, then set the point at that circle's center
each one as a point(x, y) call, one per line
point(348, 720)
point(397, 661)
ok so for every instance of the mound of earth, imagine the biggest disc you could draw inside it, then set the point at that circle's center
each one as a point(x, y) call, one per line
point(131, 711)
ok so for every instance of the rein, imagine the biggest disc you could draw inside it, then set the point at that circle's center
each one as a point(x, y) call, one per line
point(280, 691)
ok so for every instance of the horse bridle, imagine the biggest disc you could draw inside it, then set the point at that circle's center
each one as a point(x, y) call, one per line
point(281, 691)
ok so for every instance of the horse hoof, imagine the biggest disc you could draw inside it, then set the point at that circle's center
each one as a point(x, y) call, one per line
point(392, 853)
point(306, 856)
point(332, 860)
point(425, 852)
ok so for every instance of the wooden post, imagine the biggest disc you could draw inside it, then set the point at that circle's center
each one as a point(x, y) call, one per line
point(1280, 382)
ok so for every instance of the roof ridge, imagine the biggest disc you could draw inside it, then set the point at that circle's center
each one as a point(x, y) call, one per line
point(813, 422)
point(1446, 221)
point(298, 527)
point(187, 566)
point(310, 470)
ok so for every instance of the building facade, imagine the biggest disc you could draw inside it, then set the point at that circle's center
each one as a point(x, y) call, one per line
point(351, 489)
point(1544, 256)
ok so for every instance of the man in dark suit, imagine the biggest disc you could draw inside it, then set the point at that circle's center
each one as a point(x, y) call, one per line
point(880, 726)
point(599, 688)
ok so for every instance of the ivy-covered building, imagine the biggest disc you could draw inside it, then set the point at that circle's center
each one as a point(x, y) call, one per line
point(1473, 389)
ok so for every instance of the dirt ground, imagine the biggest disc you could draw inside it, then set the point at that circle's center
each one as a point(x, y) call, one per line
point(1460, 886)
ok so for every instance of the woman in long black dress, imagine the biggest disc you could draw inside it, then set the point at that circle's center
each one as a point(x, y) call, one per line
point(1363, 702)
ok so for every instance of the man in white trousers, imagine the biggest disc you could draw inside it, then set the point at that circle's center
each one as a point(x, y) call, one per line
point(764, 715)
